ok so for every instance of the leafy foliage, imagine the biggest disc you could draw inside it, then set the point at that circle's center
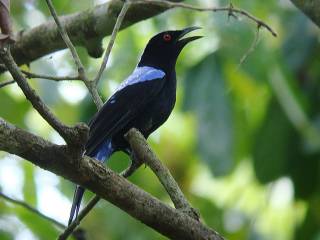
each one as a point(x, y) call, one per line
point(206, 95)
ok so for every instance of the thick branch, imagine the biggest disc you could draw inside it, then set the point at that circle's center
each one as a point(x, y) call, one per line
point(311, 8)
point(85, 29)
point(104, 182)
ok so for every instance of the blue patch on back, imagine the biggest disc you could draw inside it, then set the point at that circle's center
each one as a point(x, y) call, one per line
point(142, 74)
point(104, 151)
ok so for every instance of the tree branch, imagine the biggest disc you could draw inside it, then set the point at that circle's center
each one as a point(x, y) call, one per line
point(115, 31)
point(142, 150)
point(74, 136)
point(81, 71)
point(230, 9)
point(69, 230)
point(104, 182)
point(79, 234)
point(49, 77)
point(5, 83)
point(86, 29)
point(251, 48)
point(31, 209)
point(67, 40)
point(42, 76)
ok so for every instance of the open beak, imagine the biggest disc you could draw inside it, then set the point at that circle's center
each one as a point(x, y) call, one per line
point(183, 41)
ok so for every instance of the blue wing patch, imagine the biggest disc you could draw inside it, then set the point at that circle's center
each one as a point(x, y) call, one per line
point(142, 74)
point(104, 151)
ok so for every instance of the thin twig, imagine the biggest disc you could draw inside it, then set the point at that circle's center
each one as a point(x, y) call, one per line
point(49, 77)
point(143, 151)
point(251, 49)
point(115, 31)
point(67, 40)
point(32, 209)
point(3, 84)
point(94, 93)
point(82, 74)
point(69, 230)
point(93, 201)
point(35, 75)
point(230, 9)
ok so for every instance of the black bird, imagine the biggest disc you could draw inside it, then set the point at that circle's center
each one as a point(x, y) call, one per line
point(143, 101)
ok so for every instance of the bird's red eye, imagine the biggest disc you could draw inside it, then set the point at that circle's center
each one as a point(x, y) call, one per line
point(167, 37)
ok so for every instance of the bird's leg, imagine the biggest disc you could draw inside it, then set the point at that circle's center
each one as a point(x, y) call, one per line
point(135, 164)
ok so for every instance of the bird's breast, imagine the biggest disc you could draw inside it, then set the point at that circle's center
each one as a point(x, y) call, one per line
point(160, 108)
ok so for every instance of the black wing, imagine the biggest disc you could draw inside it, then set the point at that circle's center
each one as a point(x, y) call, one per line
point(120, 109)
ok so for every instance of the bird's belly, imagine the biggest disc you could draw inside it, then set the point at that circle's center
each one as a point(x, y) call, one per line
point(158, 112)
point(147, 121)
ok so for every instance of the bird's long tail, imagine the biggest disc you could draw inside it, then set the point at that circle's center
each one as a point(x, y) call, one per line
point(103, 153)
point(77, 197)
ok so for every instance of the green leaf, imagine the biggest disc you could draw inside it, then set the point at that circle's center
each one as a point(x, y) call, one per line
point(206, 95)
point(273, 146)
point(300, 43)
point(5, 235)
point(14, 110)
point(29, 186)
point(280, 150)
point(40, 227)
point(309, 229)
point(304, 172)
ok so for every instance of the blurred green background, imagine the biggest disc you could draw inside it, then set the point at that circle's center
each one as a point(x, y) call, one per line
point(243, 141)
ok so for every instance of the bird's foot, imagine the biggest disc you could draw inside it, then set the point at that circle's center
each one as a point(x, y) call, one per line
point(135, 164)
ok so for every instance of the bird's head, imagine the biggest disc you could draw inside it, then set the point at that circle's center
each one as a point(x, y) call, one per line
point(164, 48)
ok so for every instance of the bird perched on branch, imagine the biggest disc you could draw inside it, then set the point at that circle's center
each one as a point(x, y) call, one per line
point(143, 101)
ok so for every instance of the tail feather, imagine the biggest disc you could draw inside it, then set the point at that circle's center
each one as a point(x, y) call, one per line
point(103, 153)
point(77, 197)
